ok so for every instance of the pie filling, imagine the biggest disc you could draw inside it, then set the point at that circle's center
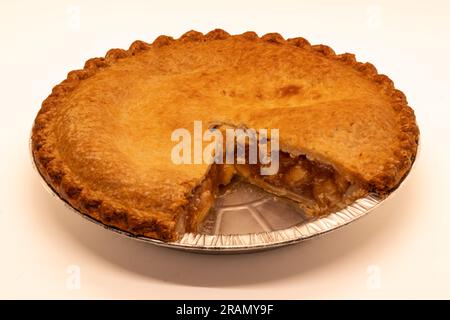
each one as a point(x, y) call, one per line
point(318, 188)
point(202, 199)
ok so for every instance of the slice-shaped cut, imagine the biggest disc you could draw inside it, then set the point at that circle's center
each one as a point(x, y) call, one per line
point(318, 188)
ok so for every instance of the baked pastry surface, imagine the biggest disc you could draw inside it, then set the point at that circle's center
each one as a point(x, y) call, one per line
point(102, 138)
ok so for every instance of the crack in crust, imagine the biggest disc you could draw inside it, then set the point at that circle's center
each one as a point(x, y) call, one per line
point(134, 221)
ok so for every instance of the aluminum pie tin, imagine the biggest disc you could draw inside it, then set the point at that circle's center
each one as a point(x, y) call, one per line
point(248, 219)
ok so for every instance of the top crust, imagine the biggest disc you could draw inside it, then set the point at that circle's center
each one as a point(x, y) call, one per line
point(327, 106)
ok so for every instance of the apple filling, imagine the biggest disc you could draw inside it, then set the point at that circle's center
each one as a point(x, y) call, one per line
point(202, 199)
point(317, 187)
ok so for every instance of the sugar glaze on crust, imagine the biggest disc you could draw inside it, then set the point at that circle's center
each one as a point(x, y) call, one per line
point(113, 213)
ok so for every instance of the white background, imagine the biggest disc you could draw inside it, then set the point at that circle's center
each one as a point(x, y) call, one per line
point(399, 251)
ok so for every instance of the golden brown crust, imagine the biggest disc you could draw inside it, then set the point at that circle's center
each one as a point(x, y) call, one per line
point(154, 221)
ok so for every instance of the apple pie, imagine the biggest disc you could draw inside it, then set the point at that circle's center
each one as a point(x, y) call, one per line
point(101, 140)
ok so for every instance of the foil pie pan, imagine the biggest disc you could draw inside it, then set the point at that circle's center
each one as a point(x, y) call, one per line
point(246, 219)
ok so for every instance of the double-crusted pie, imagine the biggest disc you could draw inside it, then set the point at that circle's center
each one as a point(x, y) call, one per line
point(102, 139)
